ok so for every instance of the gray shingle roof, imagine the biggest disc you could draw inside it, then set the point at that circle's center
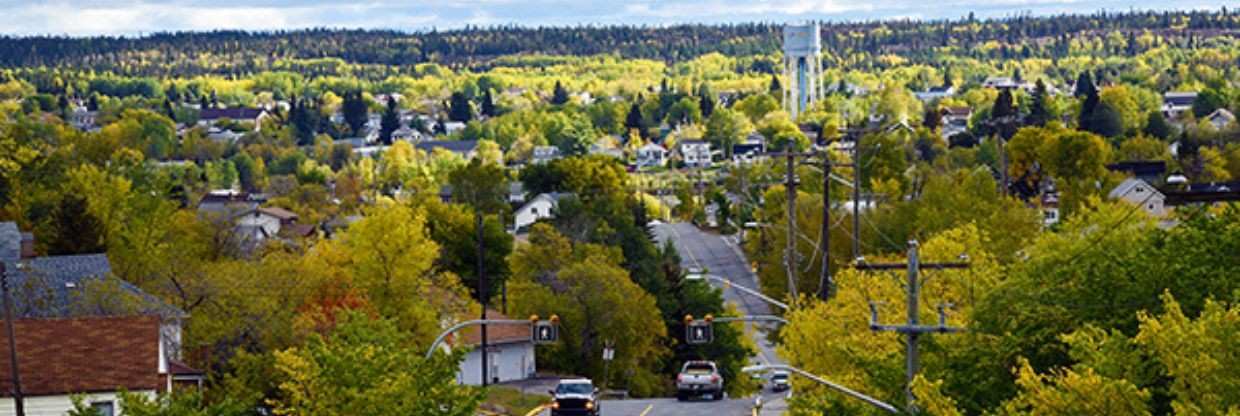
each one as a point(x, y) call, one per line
point(55, 286)
point(457, 146)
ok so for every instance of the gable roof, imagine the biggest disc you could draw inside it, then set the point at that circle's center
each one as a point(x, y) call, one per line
point(280, 213)
point(1129, 185)
point(1222, 113)
point(84, 355)
point(54, 286)
point(1140, 167)
point(230, 113)
point(496, 334)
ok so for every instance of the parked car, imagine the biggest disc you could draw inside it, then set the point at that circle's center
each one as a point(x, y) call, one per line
point(779, 381)
point(575, 397)
point(698, 378)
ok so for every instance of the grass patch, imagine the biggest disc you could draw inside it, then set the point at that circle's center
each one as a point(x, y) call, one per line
point(515, 402)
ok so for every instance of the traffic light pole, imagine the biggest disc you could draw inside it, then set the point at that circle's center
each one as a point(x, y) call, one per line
point(477, 322)
point(728, 284)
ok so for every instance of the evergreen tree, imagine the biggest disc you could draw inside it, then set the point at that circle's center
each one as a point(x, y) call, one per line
point(1004, 105)
point(775, 87)
point(634, 120)
point(62, 104)
point(1156, 125)
point(559, 96)
point(215, 100)
point(1018, 76)
point(459, 108)
point(92, 104)
point(931, 120)
point(203, 103)
point(1106, 121)
point(169, 111)
point(947, 79)
point(706, 101)
point(76, 230)
point(389, 123)
point(440, 126)
point(355, 112)
point(1090, 92)
point(488, 103)
point(1084, 84)
point(1039, 109)
point(305, 121)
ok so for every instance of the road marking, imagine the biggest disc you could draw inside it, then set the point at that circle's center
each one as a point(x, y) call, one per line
point(537, 410)
point(648, 407)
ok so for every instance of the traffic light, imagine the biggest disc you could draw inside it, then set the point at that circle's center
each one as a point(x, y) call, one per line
point(699, 332)
point(544, 332)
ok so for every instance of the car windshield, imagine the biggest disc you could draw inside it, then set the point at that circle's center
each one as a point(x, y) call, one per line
point(574, 388)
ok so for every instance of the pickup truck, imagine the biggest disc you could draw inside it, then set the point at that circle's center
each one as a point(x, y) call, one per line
point(779, 381)
point(699, 378)
point(575, 397)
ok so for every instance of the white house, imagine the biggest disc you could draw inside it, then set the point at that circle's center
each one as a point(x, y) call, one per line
point(955, 121)
point(1221, 118)
point(270, 219)
point(1140, 192)
point(1000, 82)
point(1050, 209)
point(540, 207)
point(453, 127)
point(936, 93)
point(544, 154)
point(94, 356)
point(651, 155)
point(695, 153)
point(1176, 103)
point(510, 353)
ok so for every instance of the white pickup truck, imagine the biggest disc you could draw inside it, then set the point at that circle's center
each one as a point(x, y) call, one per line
point(698, 378)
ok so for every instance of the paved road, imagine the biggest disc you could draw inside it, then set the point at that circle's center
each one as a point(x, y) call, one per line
point(663, 407)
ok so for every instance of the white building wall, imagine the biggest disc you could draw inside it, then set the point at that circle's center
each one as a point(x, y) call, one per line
point(535, 210)
point(269, 223)
point(509, 362)
point(60, 404)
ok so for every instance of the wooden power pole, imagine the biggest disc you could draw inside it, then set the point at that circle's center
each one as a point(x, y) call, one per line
point(19, 404)
point(913, 329)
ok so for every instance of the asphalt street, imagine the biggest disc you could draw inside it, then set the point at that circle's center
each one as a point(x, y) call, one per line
point(719, 256)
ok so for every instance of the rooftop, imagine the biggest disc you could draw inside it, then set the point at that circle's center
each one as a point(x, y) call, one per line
point(84, 355)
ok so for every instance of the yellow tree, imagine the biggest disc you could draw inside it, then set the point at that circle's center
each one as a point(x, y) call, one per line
point(833, 339)
point(1069, 393)
point(1199, 354)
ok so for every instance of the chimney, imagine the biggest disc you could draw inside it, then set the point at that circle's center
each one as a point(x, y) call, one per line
point(28, 245)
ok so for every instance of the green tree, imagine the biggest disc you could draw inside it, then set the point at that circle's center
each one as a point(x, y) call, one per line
point(757, 106)
point(685, 111)
point(390, 122)
point(559, 95)
point(77, 231)
point(460, 108)
point(1156, 125)
point(725, 128)
point(488, 104)
point(368, 366)
point(483, 187)
point(1040, 106)
point(355, 112)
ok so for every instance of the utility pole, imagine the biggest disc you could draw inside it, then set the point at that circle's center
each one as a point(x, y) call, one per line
point(856, 217)
point(913, 328)
point(18, 401)
point(482, 293)
point(826, 286)
point(790, 255)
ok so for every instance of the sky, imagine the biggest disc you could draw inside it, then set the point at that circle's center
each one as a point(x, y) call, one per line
point(136, 17)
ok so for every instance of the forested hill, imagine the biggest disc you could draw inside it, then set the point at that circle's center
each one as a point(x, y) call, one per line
point(241, 52)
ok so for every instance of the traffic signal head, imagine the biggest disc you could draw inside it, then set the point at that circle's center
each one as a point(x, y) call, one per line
point(699, 332)
point(544, 332)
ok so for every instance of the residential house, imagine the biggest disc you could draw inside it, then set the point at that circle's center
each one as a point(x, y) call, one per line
point(96, 357)
point(606, 150)
point(516, 193)
point(695, 153)
point(651, 155)
point(453, 127)
point(955, 121)
point(223, 135)
point(540, 207)
point(1000, 83)
point(227, 203)
point(404, 133)
point(752, 149)
point(79, 330)
point(272, 221)
point(1221, 119)
point(1204, 193)
point(210, 116)
point(1175, 104)
point(510, 353)
point(1050, 209)
point(465, 148)
point(1139, 192)
point(1150, 171)
point(544, 154)
point(936, 93)
point(83, 119)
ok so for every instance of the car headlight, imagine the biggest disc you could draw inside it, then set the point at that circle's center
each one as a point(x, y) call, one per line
point(589, 405)
point(555, 405)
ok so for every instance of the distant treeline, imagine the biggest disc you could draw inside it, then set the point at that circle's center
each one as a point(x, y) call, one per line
point(242, 52)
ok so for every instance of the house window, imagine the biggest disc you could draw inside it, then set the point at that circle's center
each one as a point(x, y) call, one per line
point(103, 408)
point(1140, 189)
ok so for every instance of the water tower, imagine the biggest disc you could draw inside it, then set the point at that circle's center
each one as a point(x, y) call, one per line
point(802, 67)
